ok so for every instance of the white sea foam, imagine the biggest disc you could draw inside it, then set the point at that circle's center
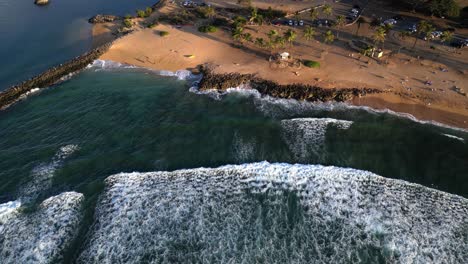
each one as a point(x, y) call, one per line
point(7, 210)
point(454, 137)
point(275, 213)
point(243, 149)
point(306, 136)
point(42, 174)
point(110, 65)
point(41, 236)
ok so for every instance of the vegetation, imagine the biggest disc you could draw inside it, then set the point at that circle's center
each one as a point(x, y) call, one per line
point(424, 28)
point(379, 36)
point(260, 42)
point(148, 11)
point(208, 29)
point(290, 35)
point(435, 7)
point(447, 36)
point(237, 34)
point(340, 22)
point(127, 23)
point(206, 12)
point(255, 17)
point(327, 10)
point(153, 24)
point(309, 33)
point(239, 21)
point(311, 64)
point(141, 13)
point(163, 33)
point(328, 37)
point(127, 16)
point(314, 13)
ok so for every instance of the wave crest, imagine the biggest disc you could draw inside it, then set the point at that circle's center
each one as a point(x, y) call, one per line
point(275, 213)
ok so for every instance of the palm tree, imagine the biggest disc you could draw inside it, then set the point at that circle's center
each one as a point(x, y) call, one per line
point(247, 37)
point(260, 42)
point(328, 37)
point(340, 21)
point(255, 17)
point(290, 35)
point(280, 41)
point(446, 36)
point(379, 36)
point(309, 33)
point(327, 10)
point(360, 21)
point(210, 12)
point(314, 13)
point(272, 33)
point(387, 27)
point(423, 28)
point(237, 34)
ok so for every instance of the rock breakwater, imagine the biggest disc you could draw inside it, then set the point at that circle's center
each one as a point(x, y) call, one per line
point(222, 82)
point(51, 76)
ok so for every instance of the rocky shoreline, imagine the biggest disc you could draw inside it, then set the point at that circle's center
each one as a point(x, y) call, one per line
point(51, 76)
point(298, 91)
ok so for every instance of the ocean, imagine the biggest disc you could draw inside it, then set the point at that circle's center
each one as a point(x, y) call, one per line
point(35, 38)
point(119, 164)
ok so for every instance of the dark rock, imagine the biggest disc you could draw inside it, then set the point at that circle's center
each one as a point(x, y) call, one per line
point(41, 2)
point(305, 92)
point(103, 19)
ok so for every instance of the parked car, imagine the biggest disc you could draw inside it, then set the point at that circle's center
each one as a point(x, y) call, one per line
point(460, 43)
point(323, 23)
point(434, 35)
point(301, 23)
point(390, 21)
point(397, 17)
point(290, 22)
point(412, 29)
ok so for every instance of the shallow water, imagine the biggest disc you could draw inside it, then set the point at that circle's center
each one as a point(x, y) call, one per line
point(35, 38)
point(109, 120)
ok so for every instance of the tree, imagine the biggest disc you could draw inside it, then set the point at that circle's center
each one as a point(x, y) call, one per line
point(280, 41)
point(260, 42)
point(309, 33)
point(237, 34)
point(379, 36)
point(328, 37)
point(444, 8)
point(290, 35)
point(247, 37)
point(340, 22)
point(210, 12)
point(314, 13)
point(255, 17)
point(387, 27)
point(272, 34)
point(422, 28)
point(360, 21)
point(327, 10)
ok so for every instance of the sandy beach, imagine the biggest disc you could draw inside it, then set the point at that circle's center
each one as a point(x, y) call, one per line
point(403, 76)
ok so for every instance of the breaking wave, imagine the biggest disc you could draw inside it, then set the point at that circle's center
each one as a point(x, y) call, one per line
point(454, 137)
point(42, 175)
point(275, 213)
point(40, 236)
point(109, 65)
point(306, 136)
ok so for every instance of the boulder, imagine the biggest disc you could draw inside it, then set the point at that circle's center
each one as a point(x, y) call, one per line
point(41, 2)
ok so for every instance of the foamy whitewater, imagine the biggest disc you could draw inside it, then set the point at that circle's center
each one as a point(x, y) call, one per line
point(42, 175)
point(275, 213)
point(306, 136)
point(110, 65)
point(40, 236)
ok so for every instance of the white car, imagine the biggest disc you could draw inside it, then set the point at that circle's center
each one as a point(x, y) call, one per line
point(390, 21)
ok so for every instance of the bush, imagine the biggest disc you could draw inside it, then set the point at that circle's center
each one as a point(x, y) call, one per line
point(128, 16)
point(148, 11)
point(163, 33)
point(208, 29)
point(141, 13)
point(127, 23)
point(311, 64)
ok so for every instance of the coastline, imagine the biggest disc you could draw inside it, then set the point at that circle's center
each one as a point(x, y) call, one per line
point(231, 66)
